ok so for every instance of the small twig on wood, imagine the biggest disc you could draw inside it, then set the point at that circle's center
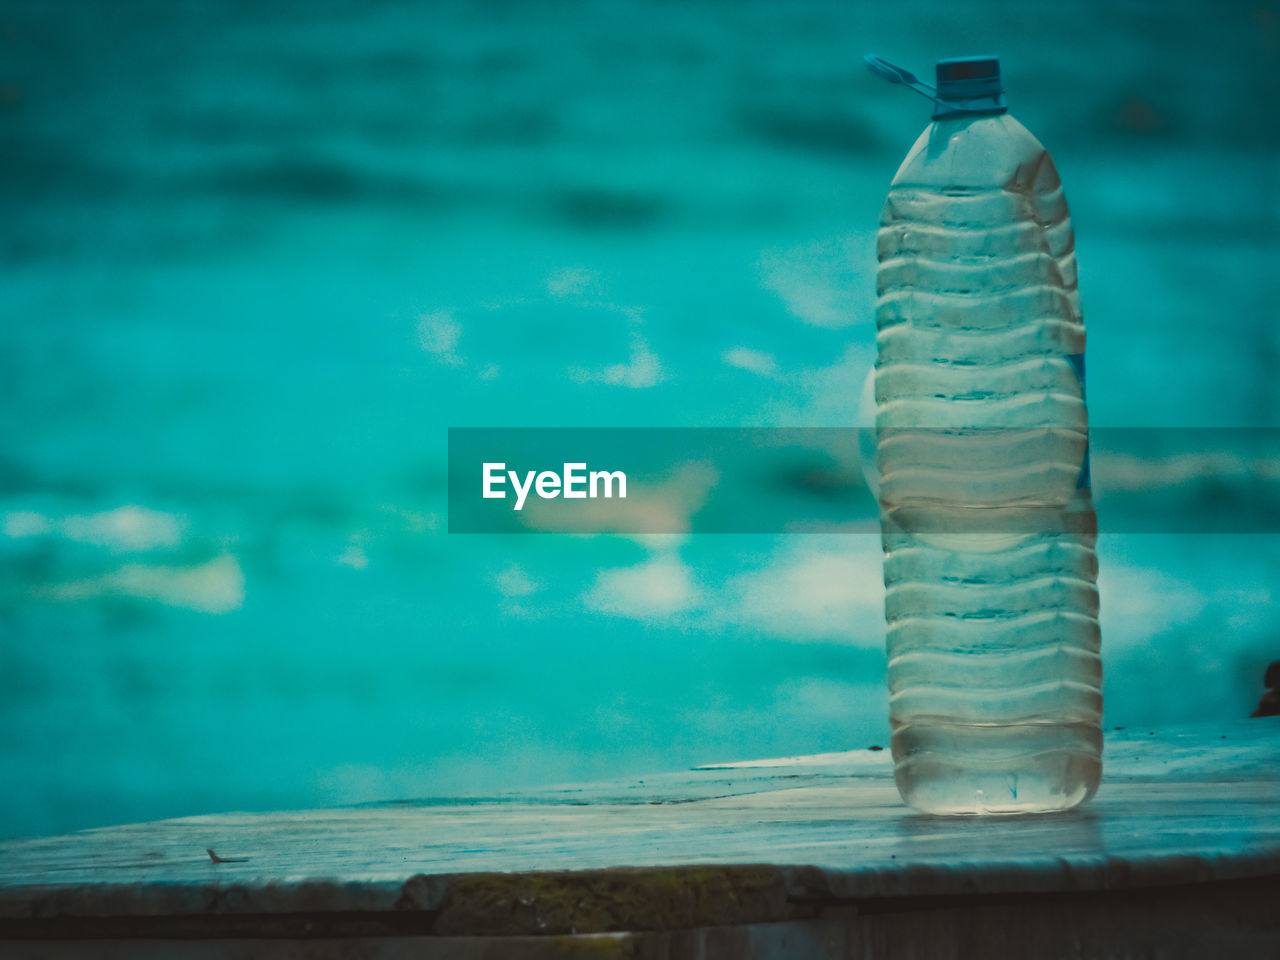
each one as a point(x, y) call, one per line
point(217, 859)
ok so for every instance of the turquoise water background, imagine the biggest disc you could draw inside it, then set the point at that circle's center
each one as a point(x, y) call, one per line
point(257, 258)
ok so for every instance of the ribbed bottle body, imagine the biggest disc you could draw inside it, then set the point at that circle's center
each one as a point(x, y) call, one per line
point(982, 446)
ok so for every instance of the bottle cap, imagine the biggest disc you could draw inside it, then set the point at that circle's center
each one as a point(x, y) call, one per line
point(965, 84)
point(969, 85)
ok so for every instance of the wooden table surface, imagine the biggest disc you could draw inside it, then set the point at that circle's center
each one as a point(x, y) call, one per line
point(806, 840)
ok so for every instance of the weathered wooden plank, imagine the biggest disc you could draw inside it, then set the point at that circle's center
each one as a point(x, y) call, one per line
point(782, 839)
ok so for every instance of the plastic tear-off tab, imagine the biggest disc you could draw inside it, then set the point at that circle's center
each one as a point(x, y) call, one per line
point(895, 74)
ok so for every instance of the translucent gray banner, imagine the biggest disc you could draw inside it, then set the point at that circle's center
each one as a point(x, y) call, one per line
point(659, 480)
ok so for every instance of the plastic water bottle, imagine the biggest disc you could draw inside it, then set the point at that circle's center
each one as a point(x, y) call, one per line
point(982, 447)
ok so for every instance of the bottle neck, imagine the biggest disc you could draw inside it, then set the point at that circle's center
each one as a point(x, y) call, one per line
point(979, 107)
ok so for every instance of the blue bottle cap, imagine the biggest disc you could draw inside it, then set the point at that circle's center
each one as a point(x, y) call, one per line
point(969, 85)
point(965, 84)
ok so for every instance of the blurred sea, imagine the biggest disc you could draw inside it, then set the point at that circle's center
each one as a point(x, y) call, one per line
point(258, 257)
